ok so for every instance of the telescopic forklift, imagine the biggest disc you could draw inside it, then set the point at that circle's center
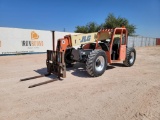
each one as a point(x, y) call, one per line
point(96, 50)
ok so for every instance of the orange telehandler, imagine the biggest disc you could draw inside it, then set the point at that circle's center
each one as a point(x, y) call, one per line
point(96, 50)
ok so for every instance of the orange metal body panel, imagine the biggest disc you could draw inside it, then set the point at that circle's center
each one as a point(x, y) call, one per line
point(122, 52)
point(86, 46)
point(108, 54)
point(64, 43)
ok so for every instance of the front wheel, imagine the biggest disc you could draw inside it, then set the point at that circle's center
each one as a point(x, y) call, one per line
point(96, 63)
point(130, 57)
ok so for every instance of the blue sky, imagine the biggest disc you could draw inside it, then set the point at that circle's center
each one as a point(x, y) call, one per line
point(60, 14)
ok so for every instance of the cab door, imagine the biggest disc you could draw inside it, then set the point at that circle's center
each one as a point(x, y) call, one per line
point(123, 44)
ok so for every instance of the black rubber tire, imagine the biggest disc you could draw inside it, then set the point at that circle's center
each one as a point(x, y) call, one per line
point(91, 63)
point(129, 61)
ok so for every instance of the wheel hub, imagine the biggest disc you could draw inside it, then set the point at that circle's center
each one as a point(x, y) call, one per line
point(100, 63)
point(131, 57)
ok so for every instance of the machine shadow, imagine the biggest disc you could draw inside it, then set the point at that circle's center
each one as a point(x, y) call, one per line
point(110, 67)
point(79, 70)
point(118, 64)
point(76, 70)
point(43, 71)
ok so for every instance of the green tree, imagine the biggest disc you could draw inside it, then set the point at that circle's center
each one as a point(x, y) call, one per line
point(110, 22)
point(88, 28)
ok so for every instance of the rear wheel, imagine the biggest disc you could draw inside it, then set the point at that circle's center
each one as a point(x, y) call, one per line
point(96, 63)
point(130, 57)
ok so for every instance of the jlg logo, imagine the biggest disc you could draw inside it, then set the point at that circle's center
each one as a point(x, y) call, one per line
point(85, 38)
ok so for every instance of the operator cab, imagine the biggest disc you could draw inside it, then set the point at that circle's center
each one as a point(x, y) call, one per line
point(119, 41)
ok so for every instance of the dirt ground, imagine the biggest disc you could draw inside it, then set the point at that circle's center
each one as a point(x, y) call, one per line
point(121, 93)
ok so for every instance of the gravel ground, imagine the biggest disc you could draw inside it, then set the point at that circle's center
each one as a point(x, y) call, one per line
point(121, 93)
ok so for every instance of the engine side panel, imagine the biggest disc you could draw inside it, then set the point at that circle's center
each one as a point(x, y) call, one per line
point(80, 55)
